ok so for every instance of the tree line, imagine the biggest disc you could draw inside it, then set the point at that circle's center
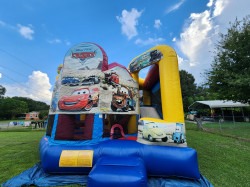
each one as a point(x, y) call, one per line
point(12, 108)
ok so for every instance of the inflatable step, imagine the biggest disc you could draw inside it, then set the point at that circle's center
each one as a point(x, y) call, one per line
point(122, 172)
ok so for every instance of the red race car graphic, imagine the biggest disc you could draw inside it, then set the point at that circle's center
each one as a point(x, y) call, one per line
point(80, 99)
point(112, 78)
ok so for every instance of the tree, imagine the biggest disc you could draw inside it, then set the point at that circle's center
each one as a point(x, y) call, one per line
point(229, 75)
point(2, 91)
point(203, 93)
point(11, 107)
point(33, 105)
point(43, 114)
point(188, 88)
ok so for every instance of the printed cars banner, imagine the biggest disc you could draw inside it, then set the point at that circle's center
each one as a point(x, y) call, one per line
point(158, 132)
point(146, 59)
point(84, 87)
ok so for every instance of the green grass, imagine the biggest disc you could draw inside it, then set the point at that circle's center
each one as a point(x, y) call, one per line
point(21, 129)
point(237, 129)
point(18, 151)
point(224, 161)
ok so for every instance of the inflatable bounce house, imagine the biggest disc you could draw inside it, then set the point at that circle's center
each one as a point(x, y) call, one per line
point(118, 129)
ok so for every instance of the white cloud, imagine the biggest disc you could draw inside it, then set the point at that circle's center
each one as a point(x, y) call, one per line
point(55, 41)
point(157, 24)
point(174, 39)
point(219, 6)
point(174, 7)
point(37, 88)
point(26, 31)
point(200, 33)
point(59, 41)
point(129, 21)
point(180, 60)
point(195, 35)
point(149, 41)
point(195, 42)
point(210, 3)
point(0, 75)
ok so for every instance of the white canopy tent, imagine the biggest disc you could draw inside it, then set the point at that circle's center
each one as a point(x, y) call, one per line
point(219, 104)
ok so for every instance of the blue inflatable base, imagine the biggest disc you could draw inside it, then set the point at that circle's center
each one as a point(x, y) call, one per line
point(36, 176)
point(158, 160)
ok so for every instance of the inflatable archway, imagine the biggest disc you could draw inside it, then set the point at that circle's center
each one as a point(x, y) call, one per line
point(93, 100)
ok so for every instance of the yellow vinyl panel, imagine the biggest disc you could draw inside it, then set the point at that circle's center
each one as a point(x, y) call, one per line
point(132, 125)
point(141, 82)
point(171, 98)
point(82, 117)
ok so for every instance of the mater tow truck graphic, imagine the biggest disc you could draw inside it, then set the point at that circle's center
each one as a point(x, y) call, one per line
point(123, 100)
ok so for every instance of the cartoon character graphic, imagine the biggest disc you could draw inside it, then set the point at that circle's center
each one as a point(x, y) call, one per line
point(71, 81)
point(178, 136)
point(145, 60)
point(153, 131)
point(122, 100)
point(155, 56)
point(80, 99)
point(111, 78)
point(91, 80)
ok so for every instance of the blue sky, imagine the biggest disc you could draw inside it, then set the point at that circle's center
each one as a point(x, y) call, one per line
point(35, 35)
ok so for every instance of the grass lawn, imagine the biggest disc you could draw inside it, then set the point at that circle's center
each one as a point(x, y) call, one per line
point(18, 151)
point(241, 130)
point(224, 161)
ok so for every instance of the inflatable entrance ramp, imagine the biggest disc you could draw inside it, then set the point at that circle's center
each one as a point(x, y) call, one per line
point(114, 128)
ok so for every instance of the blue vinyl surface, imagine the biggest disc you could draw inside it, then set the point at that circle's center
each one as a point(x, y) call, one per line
point(37, 176)
point(158, 160)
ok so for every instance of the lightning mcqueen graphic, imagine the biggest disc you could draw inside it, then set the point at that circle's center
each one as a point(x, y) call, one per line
point(80, 99)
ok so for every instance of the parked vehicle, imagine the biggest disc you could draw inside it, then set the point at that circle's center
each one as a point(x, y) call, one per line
point(71, 81)
point(191, 115)
point(80, 99)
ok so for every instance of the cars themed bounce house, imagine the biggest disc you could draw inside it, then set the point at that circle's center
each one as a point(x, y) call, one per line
point(115, 128)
